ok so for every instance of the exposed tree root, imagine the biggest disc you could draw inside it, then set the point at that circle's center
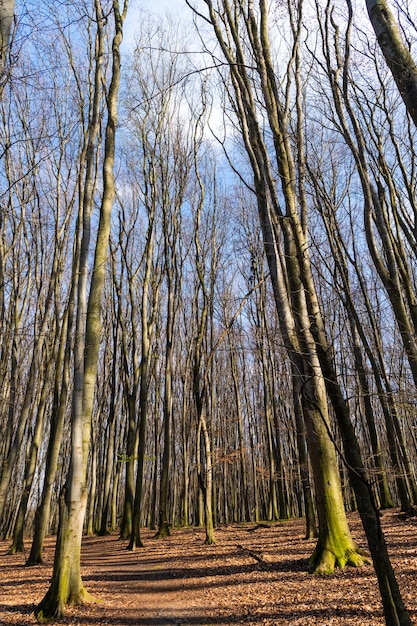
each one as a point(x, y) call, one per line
point(324, 561)
point(163, 531)
point(33, 562)
point(52, 606)
point(210, 539)
point(411, 512)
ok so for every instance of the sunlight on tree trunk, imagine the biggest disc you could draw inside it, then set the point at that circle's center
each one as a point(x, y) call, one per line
point(6, 19)
point(67, 586)
point(299, 310)
point(396, 53)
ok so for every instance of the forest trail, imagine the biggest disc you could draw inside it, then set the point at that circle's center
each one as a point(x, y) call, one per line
point(253, 576)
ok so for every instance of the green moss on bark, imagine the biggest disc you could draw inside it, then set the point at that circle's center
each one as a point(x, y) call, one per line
point(58, 596)
point(325, 560)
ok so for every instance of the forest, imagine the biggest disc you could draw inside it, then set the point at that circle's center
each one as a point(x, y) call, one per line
point(208, 276)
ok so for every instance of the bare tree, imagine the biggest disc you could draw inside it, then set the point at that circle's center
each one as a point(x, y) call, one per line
point(286, 247)
point(66, 585)
point(242, 34)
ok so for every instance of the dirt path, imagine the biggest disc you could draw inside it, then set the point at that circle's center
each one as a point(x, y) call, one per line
point(254, 577)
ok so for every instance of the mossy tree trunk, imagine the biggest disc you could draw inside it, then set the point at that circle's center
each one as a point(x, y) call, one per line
point(303, 461)
point(335, 546)
point(285, 242)
point(295, 295)
point(66, 585)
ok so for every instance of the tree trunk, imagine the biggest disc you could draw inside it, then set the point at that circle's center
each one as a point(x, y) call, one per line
point(396, 53)
point(110, 446)
point(61, 392)
point(31, 460)
point(244, 496)
point(66, 585)
point(6, 20)
point(164, 521)
point(130, 463)
point(15, 446)
point(311, 530)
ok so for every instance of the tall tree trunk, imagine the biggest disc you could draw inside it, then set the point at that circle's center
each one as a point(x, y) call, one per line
point(244, 495)
point(130, 463)
point(147, 326)
point(66, 584)
point(110, 447)
point(185, 438)
point(311, 530)
point(164, 521)
point(61, 392)
point(15, 446)
point(31, 459)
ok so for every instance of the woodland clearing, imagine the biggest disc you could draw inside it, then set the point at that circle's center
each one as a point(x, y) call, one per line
point(255, 574)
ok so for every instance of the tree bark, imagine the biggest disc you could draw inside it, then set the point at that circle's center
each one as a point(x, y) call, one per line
point(396, 53)
point(67, 586)
point(6, 20)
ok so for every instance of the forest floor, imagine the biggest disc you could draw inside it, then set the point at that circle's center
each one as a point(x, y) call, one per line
point(254, 576)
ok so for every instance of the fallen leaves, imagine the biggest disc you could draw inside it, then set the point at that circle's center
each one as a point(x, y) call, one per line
point(257, 578)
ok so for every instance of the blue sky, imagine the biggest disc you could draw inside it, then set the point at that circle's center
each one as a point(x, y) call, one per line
point(159, 6)
point(176, 7)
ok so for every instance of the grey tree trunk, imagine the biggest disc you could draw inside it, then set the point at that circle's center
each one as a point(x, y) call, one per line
point(396, 53)
point(147, 331)
point(6, 20)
